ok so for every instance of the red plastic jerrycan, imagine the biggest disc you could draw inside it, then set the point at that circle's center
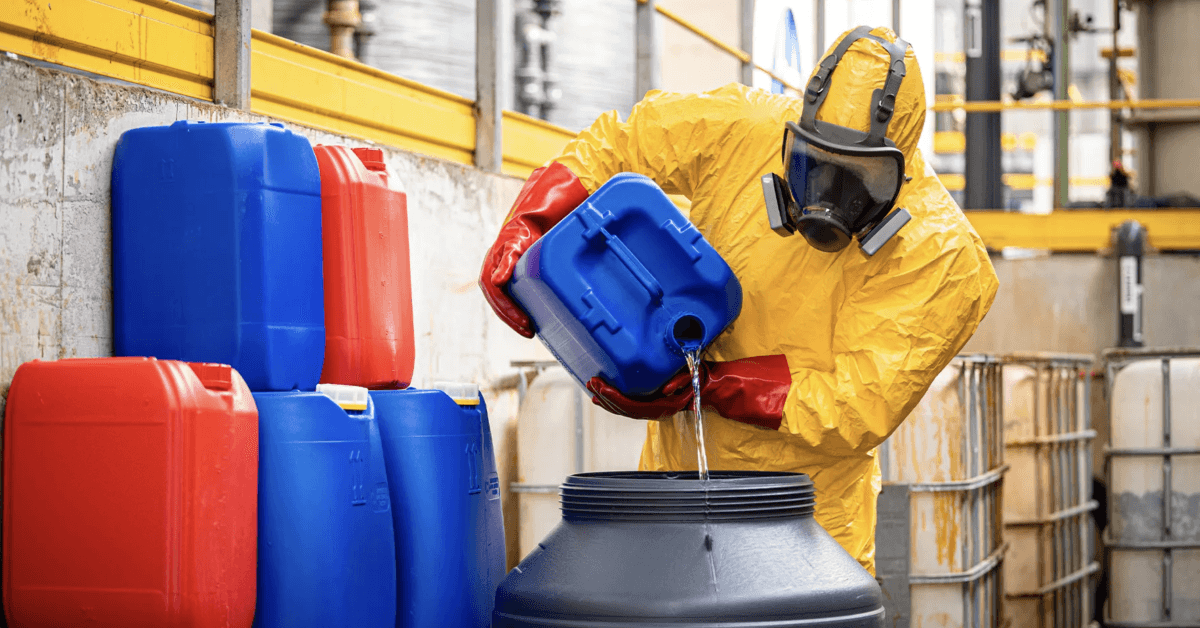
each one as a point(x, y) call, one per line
point(130, 490)
point(368, 290)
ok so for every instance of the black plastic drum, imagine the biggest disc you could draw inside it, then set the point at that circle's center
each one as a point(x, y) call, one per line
point(657, 549)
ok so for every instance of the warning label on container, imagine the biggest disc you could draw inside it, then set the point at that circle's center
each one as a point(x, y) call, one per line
point(1130, 289)
point(493, 486)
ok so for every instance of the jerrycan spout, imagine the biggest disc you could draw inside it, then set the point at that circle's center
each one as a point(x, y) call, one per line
point(686, 334)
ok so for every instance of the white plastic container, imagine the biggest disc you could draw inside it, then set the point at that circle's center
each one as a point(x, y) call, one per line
point(1048, 504)
point(561, 432)
point(1154, 442)
point(949, 453)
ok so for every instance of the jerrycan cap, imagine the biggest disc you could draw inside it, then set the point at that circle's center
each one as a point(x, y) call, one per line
point(372, 158)
point(213, 376)
point(463, 393)
point(346, 397)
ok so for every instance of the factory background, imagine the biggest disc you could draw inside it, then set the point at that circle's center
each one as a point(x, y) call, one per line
point(1034, 174)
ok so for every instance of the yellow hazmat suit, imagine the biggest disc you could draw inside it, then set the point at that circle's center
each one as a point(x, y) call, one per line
point(864, 336)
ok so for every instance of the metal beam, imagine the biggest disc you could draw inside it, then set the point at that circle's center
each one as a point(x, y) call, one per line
point(747, 40)
point(819, 34)
point(649, 70)
point(1115, 149)
point(231, 53)
point(1062, 119)
point(488, 110)
point(981, 37)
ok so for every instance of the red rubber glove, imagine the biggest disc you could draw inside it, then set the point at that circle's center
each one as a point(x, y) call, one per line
point(676, 396)
point(548, 196)
point(750, 390)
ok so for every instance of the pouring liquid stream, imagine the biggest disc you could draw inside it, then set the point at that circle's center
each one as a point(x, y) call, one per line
point(693, 362)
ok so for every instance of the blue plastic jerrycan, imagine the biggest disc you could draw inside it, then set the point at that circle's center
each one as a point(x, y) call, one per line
point(445, 505)
point(326, 551)
point(217, 250)
point(624, 285)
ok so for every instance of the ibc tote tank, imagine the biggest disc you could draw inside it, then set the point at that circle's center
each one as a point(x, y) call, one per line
point(1048, 504)
point(946, 461)
point(1154, 544)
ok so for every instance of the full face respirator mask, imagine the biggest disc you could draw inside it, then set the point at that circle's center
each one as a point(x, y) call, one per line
point(841, 183)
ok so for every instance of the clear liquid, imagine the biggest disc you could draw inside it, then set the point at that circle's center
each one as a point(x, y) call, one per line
point(693, 362)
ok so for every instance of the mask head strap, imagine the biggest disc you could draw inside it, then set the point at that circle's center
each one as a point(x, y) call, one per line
point(818, 85)
point(883, 99)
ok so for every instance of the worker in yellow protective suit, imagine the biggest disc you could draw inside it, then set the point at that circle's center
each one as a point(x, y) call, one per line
point(835, 343)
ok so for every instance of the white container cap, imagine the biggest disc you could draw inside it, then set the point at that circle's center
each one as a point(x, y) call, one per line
point(346, 397)
point(463, 393)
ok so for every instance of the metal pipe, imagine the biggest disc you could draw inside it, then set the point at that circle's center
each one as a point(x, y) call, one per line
point(343, 18)
point(1115, 149)
point(367, 28)
point(819, 35)
point(488, 109)
point(747, 39)
point(981, 37)
point(649, 70)
point(1167, 589)
point(1062, 118)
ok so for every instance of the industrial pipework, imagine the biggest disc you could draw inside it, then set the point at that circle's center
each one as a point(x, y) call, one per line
point(343, 18)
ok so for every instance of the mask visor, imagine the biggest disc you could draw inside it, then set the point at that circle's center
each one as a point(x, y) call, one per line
point(845, 187)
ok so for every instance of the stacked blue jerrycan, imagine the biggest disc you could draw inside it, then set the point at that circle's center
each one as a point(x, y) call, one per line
point(624, 286)
point(217, 250)
point(326, 551)
point(445, 504)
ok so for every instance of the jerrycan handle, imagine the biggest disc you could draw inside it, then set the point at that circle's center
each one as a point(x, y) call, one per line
point(213, 376)
point(593, 223)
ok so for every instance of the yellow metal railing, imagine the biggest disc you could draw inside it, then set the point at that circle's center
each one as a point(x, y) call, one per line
point(1085, 230)
point(1021, 181)
point(168, 46)
point(294, 82)
point(739, 54)
point(993, 106)
point(154, 43)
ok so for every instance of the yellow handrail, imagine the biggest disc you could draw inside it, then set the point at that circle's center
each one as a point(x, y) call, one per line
point(741, 55)
point(992, 106)
point(167, 46)
point(1084, 230)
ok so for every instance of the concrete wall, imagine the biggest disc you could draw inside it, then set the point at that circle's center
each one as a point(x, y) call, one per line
point(1067, 304)
point(57, 134)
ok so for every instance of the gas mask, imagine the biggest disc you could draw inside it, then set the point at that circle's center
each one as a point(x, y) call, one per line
point(841, 183)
